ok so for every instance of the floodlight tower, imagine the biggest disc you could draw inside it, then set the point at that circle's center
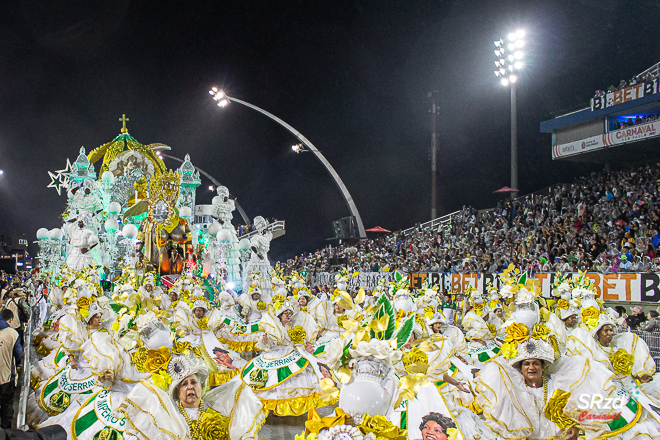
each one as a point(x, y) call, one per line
point(510, 60)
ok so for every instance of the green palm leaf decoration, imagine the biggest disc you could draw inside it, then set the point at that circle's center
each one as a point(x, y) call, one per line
point(404, 332)
point(384, 309)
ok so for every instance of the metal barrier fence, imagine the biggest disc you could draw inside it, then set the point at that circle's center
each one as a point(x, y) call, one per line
point(28, 357)
point(652, 339)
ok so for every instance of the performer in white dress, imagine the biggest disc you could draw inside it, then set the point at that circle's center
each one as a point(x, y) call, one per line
point(199, 324)
point(527, 393)
point(228, 412)
point(82, 240)
point(626, 357)
point(287, 377)
point(241, 317)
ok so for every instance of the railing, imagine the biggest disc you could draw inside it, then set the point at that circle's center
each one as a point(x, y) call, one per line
point(653, 70)
point(542, 192)
point(433, 224)
point(652, 339)
point(446, 219)
point(28, 357)
point(277, 228)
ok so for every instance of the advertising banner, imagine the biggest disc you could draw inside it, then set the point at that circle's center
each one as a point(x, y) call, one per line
point(368, 280)
point(610, 287)
point(628, 94)
point(612, 138)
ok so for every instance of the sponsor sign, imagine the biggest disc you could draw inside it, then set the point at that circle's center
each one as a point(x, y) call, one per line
point(612, 138)
point(368, 280)
point(609, 287)
point(628, 94)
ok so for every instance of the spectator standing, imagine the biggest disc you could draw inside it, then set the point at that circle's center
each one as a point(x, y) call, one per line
point(636, 319)
point(10, 354)
point(20, 310)
point(653, 324)
point(621, 310)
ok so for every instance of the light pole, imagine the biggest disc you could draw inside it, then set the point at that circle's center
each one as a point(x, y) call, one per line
point(224, 100)
point(434, 153)
point(510, 60)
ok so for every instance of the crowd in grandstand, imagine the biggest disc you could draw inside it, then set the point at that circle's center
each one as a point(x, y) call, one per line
point(606, 222)
point(637, 79)
point(638, 120)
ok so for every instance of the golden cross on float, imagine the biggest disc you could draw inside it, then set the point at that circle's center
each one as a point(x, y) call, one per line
point(124, 119)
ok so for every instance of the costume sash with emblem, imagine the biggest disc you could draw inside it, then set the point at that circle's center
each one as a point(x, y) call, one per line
point(239, 327)
point(485, 353)
point(56, 393)
point(96, 417)
point(263, 374)
point(320, 345)
point(640, 397)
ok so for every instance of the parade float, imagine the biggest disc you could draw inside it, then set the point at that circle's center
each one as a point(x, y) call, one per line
point(135, 214)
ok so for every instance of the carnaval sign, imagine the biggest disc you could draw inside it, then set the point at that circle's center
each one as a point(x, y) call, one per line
point(628, 94)
point(610, 287)
point(611, 138)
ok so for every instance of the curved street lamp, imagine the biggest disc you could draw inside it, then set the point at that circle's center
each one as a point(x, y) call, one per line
point(224, 100)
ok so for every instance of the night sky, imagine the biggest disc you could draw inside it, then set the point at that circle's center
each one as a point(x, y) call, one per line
point(352, 76)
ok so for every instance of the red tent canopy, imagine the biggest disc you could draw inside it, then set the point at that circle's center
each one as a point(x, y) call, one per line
point(377, 229)
point(505, 189)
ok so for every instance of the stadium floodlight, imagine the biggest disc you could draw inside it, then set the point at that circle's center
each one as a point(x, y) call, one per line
point(220, 97)
point(509, 63)
point(217, 94)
